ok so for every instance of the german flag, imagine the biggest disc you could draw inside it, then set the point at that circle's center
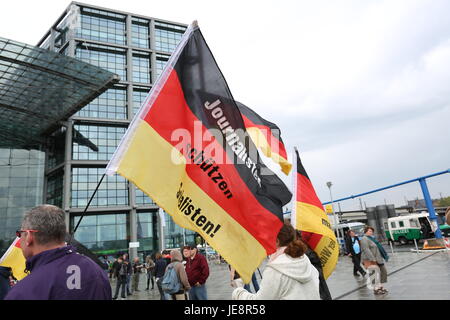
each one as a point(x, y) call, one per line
point(309, 217)
point(188, 150)
point(266, 136)
point(14, 259)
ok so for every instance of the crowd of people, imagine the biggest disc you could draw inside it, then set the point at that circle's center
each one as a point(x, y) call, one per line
point(57, 271)
point(191, 269)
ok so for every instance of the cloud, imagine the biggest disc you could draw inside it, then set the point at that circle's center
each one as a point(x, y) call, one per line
point(360, 87)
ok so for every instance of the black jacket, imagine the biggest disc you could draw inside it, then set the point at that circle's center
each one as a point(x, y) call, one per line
point(349, 244)
point(160, 267)
point(323, 287)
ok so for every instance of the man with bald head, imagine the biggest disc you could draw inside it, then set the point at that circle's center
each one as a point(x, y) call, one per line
point(57, 271)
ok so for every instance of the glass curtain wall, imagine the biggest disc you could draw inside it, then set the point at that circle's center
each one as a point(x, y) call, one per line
point(138, 55)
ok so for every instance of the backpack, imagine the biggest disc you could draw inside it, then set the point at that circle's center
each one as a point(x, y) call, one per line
point(123, 270)
point(170, 283)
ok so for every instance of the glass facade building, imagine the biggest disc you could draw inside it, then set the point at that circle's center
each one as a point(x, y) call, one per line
point(136, 48)
point(21, 188)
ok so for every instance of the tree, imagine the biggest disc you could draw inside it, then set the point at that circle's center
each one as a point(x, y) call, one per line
point(444, 202)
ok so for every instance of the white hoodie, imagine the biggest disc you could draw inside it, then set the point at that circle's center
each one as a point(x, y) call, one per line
point(285, 278)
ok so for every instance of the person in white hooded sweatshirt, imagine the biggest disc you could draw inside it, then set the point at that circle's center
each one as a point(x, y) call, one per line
point(289, 275)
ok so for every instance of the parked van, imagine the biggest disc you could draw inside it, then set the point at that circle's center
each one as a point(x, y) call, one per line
point(343, 227)
point(414, 226)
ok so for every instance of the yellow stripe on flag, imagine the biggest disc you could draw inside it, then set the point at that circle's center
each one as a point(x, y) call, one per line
point(14, 259)
point(155, 166)
point(261, 142)
point(328, 253)
point(312, 219)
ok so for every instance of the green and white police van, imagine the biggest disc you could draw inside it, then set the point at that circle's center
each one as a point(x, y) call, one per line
point(407, 228)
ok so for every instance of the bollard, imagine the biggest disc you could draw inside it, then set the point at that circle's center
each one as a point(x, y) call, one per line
point(417, 248)
point(392, 247)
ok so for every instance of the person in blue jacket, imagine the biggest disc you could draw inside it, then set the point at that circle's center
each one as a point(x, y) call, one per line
point(56, 270)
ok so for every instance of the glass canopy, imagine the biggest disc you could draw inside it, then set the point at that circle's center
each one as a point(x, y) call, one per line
point(40, 88)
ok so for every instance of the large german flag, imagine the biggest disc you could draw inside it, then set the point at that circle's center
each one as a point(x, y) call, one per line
point(188, 150)
point(266, 136)
point(309, 217)
point(14, 259)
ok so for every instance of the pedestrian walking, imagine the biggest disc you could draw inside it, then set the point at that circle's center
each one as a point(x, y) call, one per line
point(374, 258)
point(137, 267)
point(176, 263)
point(353, 246)
point(120, 273)
point(447, 215)
point(160, 269)
point(150, 267)
point(289, 275)
point(197, 270)
point(56, 270)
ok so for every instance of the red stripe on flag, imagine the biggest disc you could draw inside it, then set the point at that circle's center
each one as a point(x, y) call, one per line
point(17, 244)
point(306, 192)
point(312, 239)
point(170, 113)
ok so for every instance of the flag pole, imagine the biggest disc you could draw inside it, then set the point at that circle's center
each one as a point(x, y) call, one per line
point(88, 204)
point(294, 189)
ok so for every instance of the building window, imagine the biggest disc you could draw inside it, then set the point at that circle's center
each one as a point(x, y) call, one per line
point(104, 233)
point(55, 188)
point(112, 192)
point(100, 28)
point(139, 96)
point(167, 36)
point(141, 68)
point(105, 138)
point(140, 33)
point(112, 104)
point(56, 148)
point(21, 188)
point(175, 236)
point(161, 61)
point(142, 198)
point(109, 58)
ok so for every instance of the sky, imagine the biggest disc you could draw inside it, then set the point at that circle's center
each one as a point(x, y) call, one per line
point(360, 87)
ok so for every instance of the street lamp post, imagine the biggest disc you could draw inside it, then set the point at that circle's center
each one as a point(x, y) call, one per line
point(336, 222)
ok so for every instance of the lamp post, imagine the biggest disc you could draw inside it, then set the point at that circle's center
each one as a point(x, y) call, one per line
point(336, 222)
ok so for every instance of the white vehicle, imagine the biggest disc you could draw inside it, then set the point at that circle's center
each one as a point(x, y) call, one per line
point(342, 229)
point(407, 228)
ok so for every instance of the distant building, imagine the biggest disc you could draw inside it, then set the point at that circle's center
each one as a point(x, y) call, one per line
point(136, 48)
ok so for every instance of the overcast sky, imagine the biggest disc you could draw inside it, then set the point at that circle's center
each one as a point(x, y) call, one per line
point(362, 87)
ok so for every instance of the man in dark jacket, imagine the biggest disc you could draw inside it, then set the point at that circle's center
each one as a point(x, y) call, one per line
point(57, 271)
point(354, 251)
point(197, 270)
point(160, 269)
point(120, 273)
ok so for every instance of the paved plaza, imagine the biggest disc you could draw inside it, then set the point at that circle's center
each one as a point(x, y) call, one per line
point(412, 276)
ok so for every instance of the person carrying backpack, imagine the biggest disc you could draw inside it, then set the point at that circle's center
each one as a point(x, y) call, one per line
point(175, 281)
point(121, 271)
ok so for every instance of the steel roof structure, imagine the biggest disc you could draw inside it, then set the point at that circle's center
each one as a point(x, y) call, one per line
point(39, 89)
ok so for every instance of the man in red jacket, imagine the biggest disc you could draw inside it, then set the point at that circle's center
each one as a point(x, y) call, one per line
point(197, 270)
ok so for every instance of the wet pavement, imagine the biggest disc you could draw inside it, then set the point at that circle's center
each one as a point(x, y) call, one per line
point(411, 276)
